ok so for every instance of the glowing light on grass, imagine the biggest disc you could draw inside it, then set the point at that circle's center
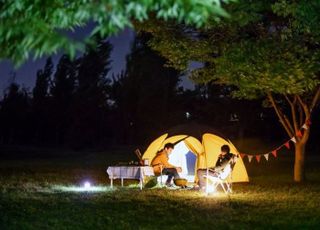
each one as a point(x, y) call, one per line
point(81, 188)
point(87, 185)
point(210, 189)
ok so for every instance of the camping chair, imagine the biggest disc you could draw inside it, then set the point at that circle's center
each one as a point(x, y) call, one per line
point(224, 177)
point(159, 175)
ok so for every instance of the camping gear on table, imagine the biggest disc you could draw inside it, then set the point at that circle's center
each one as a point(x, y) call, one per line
point(128, 163)
point(139, 155)
point(142, 161)
point(145, 162)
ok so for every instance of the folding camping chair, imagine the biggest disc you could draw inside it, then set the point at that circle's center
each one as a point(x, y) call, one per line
point(160, 175)
point(224, 177)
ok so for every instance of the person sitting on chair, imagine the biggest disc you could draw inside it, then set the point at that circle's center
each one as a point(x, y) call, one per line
point(160, 162)
point(223, 160)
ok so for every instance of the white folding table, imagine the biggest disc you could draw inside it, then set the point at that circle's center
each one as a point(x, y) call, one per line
point(129, 172)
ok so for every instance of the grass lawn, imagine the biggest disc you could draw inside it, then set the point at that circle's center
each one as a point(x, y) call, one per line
point(36, 193)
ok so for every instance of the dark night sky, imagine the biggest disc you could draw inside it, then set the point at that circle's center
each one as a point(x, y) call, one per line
point(26, 73)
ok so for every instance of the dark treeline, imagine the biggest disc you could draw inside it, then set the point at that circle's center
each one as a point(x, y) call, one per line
point(74, 104)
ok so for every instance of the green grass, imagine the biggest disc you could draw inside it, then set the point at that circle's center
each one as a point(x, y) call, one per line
point(41, 193)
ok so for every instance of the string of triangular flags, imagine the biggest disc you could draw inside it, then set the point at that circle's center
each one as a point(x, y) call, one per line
point(275, 151)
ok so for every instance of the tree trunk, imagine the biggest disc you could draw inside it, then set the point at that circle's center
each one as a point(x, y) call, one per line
point(299, 164)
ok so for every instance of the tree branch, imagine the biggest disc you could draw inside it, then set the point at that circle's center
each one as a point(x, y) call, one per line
point(293, 112)
point(288, 100)
point(306, 110)
point(288, 124)
point(315, 99)
point(280, 115)
point(304, 107)
point(301, 121)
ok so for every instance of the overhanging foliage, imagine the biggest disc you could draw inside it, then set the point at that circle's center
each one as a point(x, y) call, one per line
point(37, 28)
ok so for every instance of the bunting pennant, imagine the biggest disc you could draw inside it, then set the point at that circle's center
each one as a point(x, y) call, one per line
point(305, 126)
point(242, 155)
point(308, 122)
point(299, 133)
point(287, 145)
point(258, 157)
point(250, 158)
point(274, 153)
point(293, 139)
point(266, 156)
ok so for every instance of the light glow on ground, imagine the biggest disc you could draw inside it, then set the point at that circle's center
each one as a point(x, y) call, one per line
point(87, 185)
point(81, 188)
point(210, 189)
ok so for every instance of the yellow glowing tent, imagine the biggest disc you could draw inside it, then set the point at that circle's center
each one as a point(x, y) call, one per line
point(191, 155)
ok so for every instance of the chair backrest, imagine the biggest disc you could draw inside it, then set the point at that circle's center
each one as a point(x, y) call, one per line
point(228, 168)
point(225, 172)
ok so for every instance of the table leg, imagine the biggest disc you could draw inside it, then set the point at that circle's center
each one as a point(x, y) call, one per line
point(121, 182)
point(111, 182)
point(141, 178)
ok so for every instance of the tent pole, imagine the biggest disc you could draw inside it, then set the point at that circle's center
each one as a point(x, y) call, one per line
point(205, 152)
point(207, 180)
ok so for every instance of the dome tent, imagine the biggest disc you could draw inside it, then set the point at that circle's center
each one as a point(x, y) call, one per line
point(190, 154)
